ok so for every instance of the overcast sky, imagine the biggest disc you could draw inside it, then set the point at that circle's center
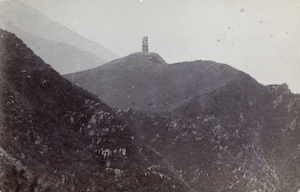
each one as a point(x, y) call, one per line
point(259, 37)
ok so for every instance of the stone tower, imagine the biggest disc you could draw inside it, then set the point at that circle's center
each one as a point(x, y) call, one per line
point(145, 44)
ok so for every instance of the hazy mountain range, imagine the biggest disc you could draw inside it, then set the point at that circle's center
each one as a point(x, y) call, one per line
point(64, 49)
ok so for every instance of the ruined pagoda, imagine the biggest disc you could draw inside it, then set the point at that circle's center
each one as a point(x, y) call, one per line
point(145, 48)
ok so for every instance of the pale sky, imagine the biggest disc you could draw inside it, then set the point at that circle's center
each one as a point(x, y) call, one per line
point(259, 37)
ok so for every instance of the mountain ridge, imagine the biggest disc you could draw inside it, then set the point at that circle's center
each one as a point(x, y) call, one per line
point(135, 81)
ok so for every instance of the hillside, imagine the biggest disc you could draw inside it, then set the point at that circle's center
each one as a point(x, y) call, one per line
point(55, 136)
point(208, 121)
point(244, 137)
point(144, 81)
point(53, 42)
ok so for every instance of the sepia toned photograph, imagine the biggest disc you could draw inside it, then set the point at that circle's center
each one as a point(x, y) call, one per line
point(149, 96)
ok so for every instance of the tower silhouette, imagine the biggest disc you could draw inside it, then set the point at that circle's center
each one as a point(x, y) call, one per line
point(145, 44)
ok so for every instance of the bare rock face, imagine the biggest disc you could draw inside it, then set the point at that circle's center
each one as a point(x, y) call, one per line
point(54, 136)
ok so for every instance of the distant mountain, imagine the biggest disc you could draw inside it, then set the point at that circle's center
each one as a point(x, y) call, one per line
point(217, 127)
point(144, 81)
point(55, 136)
point(65, 50)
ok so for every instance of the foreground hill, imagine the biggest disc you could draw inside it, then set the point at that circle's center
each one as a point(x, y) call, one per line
point(65, 50)
point(144, 81)
point(55, 136)
point(241, 140)
point(210, 122)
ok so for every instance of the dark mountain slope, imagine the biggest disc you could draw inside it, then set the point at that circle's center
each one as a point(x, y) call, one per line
point(55, 136)
point(208, 121)
point(32, 26)
point(281, 140)
point(242, 136)
point(143, 81)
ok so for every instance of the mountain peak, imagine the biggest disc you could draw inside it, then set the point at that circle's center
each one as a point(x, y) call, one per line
point(140, 58)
